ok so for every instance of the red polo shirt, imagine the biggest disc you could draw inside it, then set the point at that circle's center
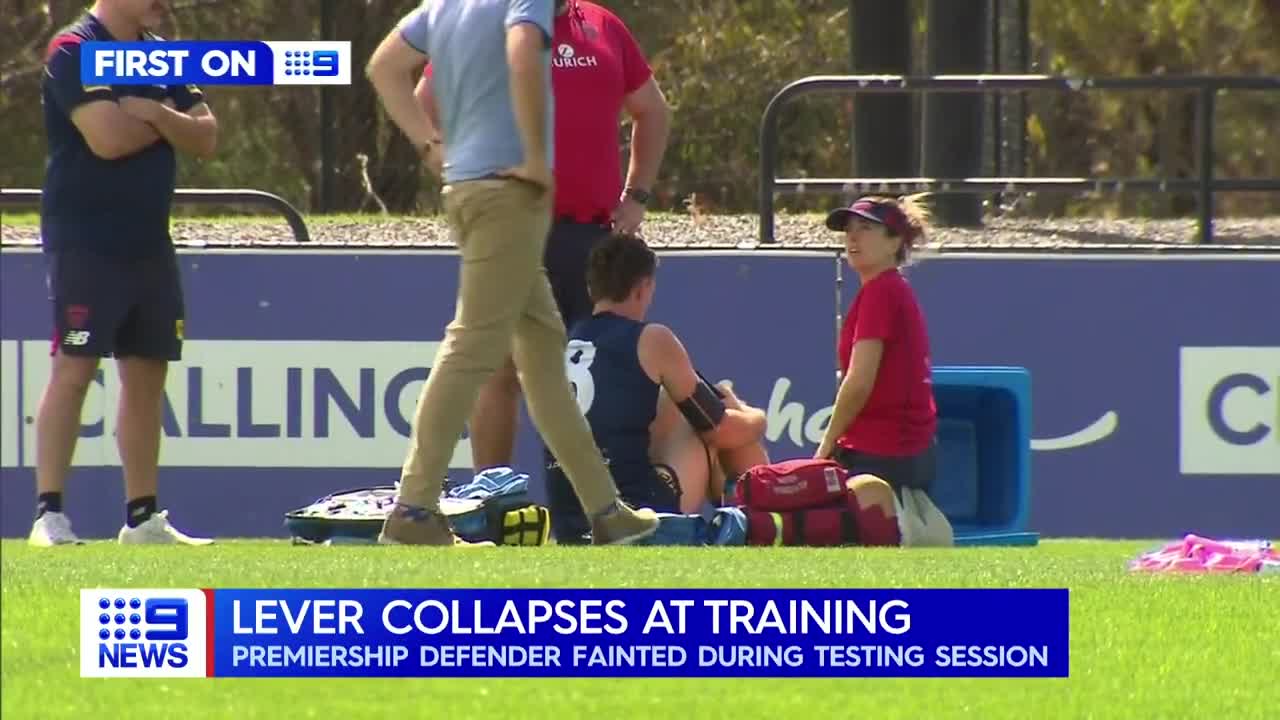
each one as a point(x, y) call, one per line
point(900, 416)
point(595, 65)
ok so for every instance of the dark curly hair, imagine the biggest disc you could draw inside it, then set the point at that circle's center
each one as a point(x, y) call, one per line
point(617, 264)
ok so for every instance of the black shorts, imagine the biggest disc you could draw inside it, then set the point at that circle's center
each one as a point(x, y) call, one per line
point(116, 307)
point(658, 489)
point(569, 247)
point(914, 471)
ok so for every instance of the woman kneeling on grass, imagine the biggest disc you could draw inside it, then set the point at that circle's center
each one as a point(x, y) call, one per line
point(884, 421)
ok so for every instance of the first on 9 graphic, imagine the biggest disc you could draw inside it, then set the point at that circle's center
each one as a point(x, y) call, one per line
point(254, 62)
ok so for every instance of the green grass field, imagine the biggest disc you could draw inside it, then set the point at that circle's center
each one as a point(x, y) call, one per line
point(1141, 647)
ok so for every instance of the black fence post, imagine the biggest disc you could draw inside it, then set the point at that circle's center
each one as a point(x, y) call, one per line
point(1208, 94)
point(326, 117)
point(953, 125)
point(768, 167)
point(883, 125)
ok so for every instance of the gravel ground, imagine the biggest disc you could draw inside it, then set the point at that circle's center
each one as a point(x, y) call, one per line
point(738, 231)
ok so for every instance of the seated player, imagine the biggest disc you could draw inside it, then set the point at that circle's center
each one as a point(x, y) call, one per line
point(666, 433)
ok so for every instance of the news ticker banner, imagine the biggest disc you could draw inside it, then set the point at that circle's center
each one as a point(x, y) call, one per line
point(544, 633)
point(257, 62)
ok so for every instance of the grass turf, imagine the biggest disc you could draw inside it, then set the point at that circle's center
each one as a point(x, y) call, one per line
point(1140, 646)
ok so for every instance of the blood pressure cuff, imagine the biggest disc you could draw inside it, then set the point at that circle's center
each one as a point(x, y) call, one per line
point(704, 409)
point(714, 389)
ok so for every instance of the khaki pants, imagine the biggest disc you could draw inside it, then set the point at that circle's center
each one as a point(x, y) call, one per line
point(505, 305)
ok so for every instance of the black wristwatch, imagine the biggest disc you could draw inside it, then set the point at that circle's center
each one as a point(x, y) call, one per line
point(640, 196)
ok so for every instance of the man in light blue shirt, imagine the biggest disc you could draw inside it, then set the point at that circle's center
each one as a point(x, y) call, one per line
point(493, 90)
point(479, 92)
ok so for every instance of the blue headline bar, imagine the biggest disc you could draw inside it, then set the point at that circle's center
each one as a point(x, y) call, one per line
point(177, 63)
point(640, 633)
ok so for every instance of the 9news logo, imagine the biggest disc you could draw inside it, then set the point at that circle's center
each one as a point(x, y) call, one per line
point(142, 633)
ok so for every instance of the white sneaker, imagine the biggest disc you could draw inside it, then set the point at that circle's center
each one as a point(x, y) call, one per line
point(157, 531)
point(920, 522)
point(53, 528)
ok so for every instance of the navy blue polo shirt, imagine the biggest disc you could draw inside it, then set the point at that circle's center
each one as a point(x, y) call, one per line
point(110, 207)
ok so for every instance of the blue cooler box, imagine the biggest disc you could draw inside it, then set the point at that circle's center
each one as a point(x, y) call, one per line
point(984, 453)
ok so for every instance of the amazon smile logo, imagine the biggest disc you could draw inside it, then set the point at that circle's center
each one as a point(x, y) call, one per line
point(1094, 432)
point(792, 419)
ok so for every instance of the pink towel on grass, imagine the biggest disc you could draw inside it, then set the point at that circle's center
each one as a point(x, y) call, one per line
point(1198, 554)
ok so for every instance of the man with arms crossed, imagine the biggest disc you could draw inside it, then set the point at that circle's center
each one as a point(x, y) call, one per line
point(113, 271)
point(492, 82)
point(668, 435)
point(598, 71)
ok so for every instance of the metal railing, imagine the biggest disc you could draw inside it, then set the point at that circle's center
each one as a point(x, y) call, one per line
point(20, 197)
point(1205, 185)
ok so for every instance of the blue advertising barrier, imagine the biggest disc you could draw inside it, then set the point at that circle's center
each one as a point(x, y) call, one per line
point(1156, 380)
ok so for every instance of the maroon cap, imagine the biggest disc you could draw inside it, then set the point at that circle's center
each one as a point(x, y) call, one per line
point(881, 213)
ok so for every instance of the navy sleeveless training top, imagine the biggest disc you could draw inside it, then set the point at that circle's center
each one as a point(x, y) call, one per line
point(613, 391)
point(619, 402)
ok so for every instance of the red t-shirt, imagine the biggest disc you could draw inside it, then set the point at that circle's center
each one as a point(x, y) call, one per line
point(595, 65)
point(900, 417)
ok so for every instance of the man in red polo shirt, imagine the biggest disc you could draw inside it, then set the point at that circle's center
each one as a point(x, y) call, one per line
point(598, 71)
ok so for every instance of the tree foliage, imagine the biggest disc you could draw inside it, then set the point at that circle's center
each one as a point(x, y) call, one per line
point(719, 62)
point(1136, 134)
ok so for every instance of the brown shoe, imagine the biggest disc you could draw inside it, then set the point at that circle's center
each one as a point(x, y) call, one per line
point(620, 524)
point(417, 526)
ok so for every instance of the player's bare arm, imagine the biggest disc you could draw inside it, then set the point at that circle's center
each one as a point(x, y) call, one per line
point(665, 358)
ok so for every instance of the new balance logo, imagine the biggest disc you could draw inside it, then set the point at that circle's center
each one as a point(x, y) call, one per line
point(76, 338)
